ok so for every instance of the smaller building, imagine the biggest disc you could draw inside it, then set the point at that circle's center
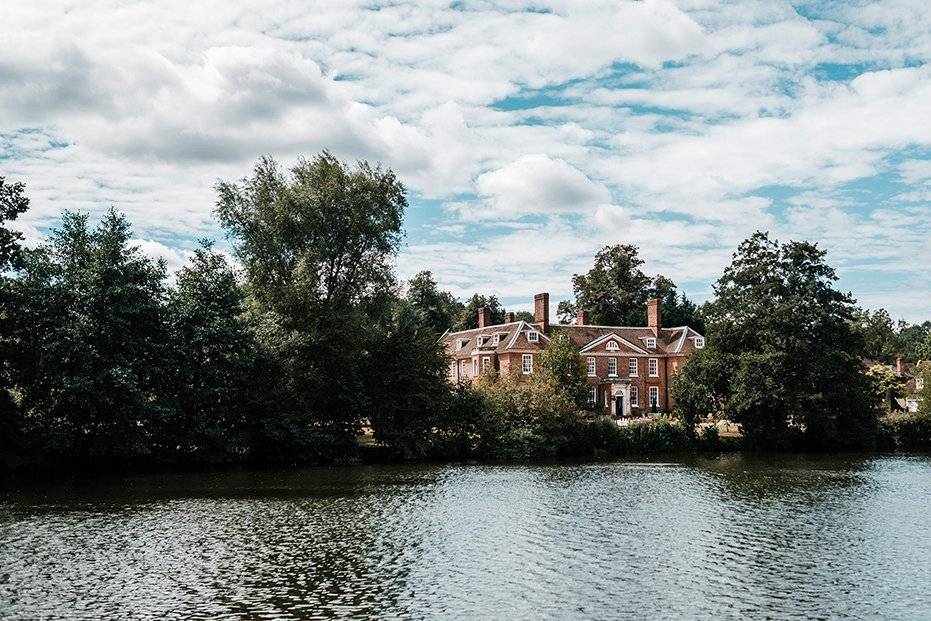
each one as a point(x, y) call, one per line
point(629, 368)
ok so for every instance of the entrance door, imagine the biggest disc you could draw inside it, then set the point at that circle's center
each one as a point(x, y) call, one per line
point(619, 406)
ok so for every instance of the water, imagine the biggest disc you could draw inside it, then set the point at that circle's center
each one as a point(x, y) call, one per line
point(736, 537)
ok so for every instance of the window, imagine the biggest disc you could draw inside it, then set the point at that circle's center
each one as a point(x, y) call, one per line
point(654, 367)
point(632, 367)
point(612, 367)
point(481, 341)
point(475, 366)
point(526, 366)
point(533, 337)
point(611, 346)
point(651, 343)
point(919, 383)
point(654, 396)
point(496, 339)
point(634, 396)
point(590, 364)
point(461, 343)
point(699, 342)
point(486, 362)
point(593, 397)
point(462, 369)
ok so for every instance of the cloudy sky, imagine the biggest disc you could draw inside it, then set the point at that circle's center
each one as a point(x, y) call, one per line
point(529, 134)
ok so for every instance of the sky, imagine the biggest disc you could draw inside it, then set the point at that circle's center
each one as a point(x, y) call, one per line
point(528, 134)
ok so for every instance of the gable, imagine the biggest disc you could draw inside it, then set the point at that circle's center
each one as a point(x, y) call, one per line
point(612, 343)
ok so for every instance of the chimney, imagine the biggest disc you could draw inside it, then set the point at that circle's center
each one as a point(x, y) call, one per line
point(654, 315)
point(541, 310)
point(484, 317)
point(899, 365)
point(509, 317)
point(581, 318)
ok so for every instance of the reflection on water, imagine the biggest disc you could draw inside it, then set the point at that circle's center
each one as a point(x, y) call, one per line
point(786, 537)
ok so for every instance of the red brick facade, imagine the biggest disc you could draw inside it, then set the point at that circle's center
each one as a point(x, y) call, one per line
point(629, 368)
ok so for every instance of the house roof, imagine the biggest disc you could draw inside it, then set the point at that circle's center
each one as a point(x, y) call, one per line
point(671, 341)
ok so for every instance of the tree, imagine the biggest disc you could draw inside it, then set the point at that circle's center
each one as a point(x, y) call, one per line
point(317, 246)
point(614, 291)
point(678, 310)
point(439, 308)
point(923, 349)
point(408, 388)
point(215, 365)
point(90, 377)
point(468, 316)
point(885, 384)
point(13, 202)
point(561, 365)
point(524, 316)
point(879, 338)
point(792, 361)
point(565, 312)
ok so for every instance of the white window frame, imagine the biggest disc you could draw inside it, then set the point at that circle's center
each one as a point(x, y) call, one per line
point(460, 343)
point(654, 393)
point(474, 367)
point(533, 336)
point(590, 366)
point(651, 343)
point(612, 364)
point(462, 369)
point(699, 342)
point(593, 397)
point(919, 383)
point(526, 364)
point(611, 346)
point(654, 367)
point(480, 340)
point(496, 339)
point(633, 367)
point(634, 397)
point(486, 363)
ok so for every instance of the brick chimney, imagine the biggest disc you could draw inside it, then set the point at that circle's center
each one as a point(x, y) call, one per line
point(581, 318)
point(484, 317)
point(509, 317)
point(899, 365)
point(654, 315)
point(541, 310)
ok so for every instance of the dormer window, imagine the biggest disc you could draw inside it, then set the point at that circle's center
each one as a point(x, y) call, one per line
point(919, 383)
point(699, 342)
point(461, 343)
point(533, 336)
point(496, 339)
point(611, 346)
point(651, 343)
point(481, 341)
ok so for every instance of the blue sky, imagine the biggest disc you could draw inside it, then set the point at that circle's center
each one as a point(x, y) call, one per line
point(529, 134)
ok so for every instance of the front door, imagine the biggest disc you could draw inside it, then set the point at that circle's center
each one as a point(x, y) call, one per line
point(619, 406)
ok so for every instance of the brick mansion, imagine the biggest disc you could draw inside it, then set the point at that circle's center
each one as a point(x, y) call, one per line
point(629, 368)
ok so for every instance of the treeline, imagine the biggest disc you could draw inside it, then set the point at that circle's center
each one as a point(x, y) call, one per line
point(309, 341)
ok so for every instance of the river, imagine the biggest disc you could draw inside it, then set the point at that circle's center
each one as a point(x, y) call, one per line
point(737, 536)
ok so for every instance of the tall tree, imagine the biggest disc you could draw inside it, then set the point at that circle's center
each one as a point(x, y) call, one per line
point(615, 290)
point(783, 332)
point(678, 310)
point(561, 365)
point(13, 202)
point(876, 330)
point(440, 309)
point(89, 380)
point(316, 246)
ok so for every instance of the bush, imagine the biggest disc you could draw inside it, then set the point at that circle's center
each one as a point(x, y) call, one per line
point(907, 431)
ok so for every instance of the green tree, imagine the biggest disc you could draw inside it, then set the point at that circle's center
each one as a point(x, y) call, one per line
point(677, 309)
point(440, 309)
point(408, 388)
point(880, 342)
point(923, 349)
point(561, 366)
point(565, 312)
point(89, 379)
point(885, 384)
point(215, 368)
point(13, 202)
point(524, 316)
point(317, 246)
point(783, 332)
point(615, 290)
point(468, 316)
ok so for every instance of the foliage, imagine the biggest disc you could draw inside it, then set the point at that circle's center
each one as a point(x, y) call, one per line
point(561, 366)
point(781, 334)
point(907, 431)
point(615, 292)
point(885, 385)
point(316, 246)
point(524, 316)
point(440, 309)
point(923, 349)
point(468, 315)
